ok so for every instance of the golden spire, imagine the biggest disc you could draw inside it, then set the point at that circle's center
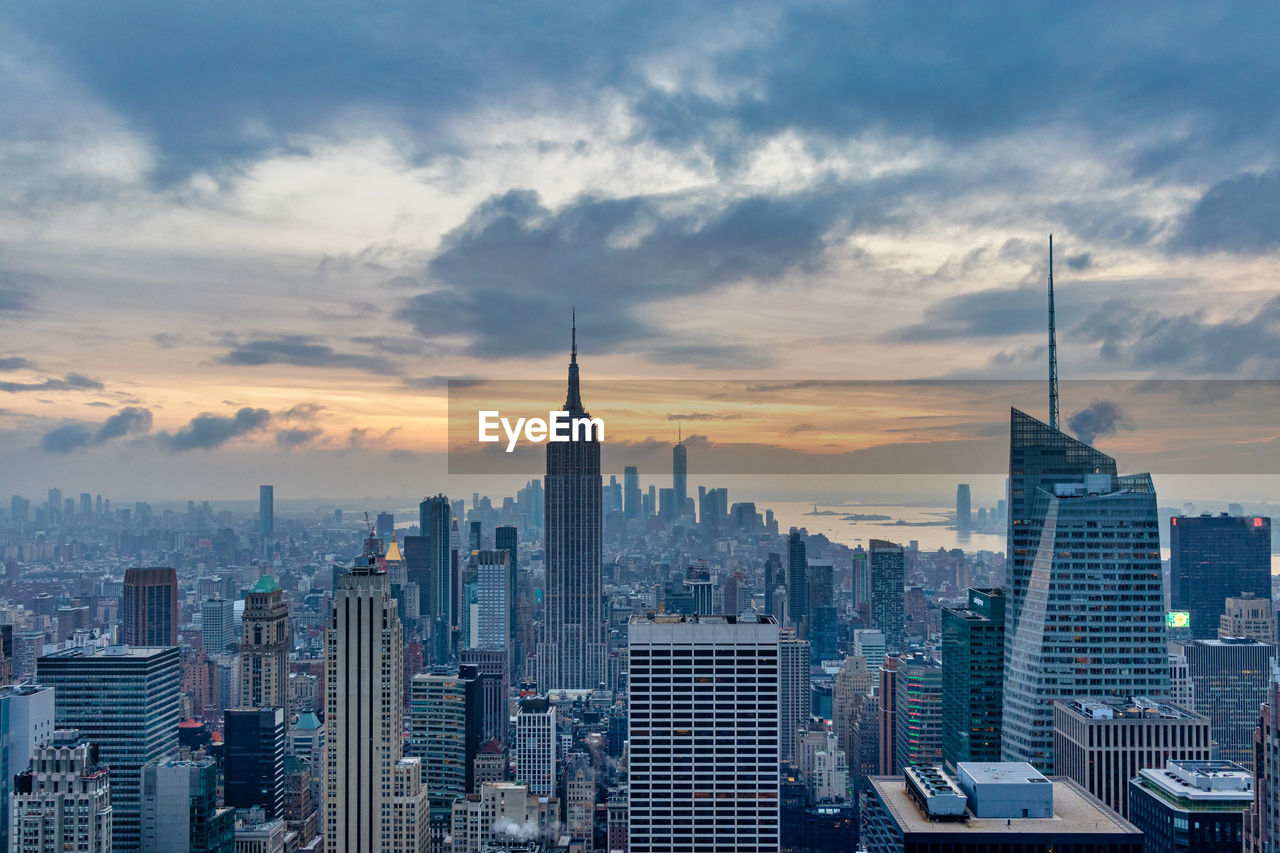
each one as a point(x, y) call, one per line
point(393, 552)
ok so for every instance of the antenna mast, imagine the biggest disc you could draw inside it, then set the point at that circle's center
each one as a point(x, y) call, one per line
point(1053, 349)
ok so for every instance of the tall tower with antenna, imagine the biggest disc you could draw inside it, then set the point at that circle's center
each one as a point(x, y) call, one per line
point(1053, 349)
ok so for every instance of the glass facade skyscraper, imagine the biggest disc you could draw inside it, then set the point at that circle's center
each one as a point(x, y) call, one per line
point(1085, 609)
point(888, 572)
point(973, 678)
point(1213, 558)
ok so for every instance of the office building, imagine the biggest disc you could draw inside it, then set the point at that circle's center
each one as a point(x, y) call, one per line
point(1102, 742)
point(488, 668)
point(973, 678)
point(432, 571)
point(822, 629)
point(26, 724)
point(679, 476)
point(990, 808)
point(125, 700)
point(62, 801)
point(698, 774)
point(1192, 806)
point(267, 511)
point(1230, 677)
point(579, 799)
point(384, 527)
point(536, 746)
point(493, 613)
point(870, 644)
point(1246, 615)
point(1262, 825)
point(888, 566)
point(773, 576)
point(573, 649)
point(1213, 558)
point(180, 812)
point(797, 582)
point(500, 816)
point(964, 510)
point(264, 648)
point(795, 689)
point(255, 741)
point(887, 716)
point(918, 727)
point(217, 625)
point(149, 607)
point(1077, 533)
point(444, 733)
point(366, 782)
point(631, 492)
point(506, 538)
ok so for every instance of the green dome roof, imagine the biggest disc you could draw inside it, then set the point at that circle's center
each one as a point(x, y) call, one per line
point(266, 584)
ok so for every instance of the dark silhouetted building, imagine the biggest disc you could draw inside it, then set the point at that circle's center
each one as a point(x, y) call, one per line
point(267, 511)
point(888, 573)
point(973, 678)
point(1213, 558)
point(253, 763)
point(797, 581)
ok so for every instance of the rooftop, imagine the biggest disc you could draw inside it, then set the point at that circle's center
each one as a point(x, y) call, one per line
point(1074, 812)
point(1126, 708)
point(266, 583)
point(1201, 782)
point(678, 618)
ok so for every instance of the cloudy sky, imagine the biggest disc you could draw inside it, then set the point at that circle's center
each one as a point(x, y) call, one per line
point(246, 241)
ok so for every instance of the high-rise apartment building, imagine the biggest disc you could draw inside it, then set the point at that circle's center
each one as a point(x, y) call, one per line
point(1230, 677)
point(62, 801)
point(506, 538)
point(1213, 558)
point(434, 574)
point(573, 649)
point(918, 727)
point(1078, 534)
point(973, 678)
point(704, 750)
point(149, 609)
point(255, 741)
point(795, 686)
point(267, 511)
point(125, 700)
point(493, 613)
point(366, 782)
point(264, 648)
point(887, 564)
point(536, 746)
point(1103, 742)
point(217, 625)
point(180, 812)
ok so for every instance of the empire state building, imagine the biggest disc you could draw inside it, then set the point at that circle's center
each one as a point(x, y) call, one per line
point(573, 650)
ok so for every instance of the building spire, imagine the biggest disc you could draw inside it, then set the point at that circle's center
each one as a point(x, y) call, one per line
point(573, 401)
point(1053, 349)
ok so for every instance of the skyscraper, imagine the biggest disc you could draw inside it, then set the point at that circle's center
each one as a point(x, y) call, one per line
point(1262, 825)
point(150, 608)
point(772, 576)
point(536, 746)
point(253, 760)
point(435, 583)
point(506, 538)
point(573, 650)
point(1231, 677)
point(1213, 558)
point(217, 625)
point(918, 727)
point(125, 700)
point(795, 686)
point(888, 574)
point(631, 492)
point(364, 715)
point(385, 526)
point(264, 648)
point(973, 678)
point(26, 724)
point(964, 510)
point(679, 476)
point(444, 733)
point(62, 801)
point(267, 511)
point(493, 613)
point(682, 795)
point(180, 812)
point(1078, 534)
point(797, 581)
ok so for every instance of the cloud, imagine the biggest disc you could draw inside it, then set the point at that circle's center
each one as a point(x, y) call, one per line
point(13, 301)
point(74, 435)
point(208, 430)
point(16, 362)
point(296, 437)
point(1240, 214)
point(1080, 262)
point(130, 420)
point(165, 340)
point(305, 412)
point(509, 276)
point(1133, 336)
point(1102, 417)
point(66, 438)
point(996, 313)
point(703, 416)
point(70, 382)
point(302, 351)
point(798, 428)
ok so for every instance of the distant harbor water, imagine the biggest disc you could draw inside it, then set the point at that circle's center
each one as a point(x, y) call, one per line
point(857, 524)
